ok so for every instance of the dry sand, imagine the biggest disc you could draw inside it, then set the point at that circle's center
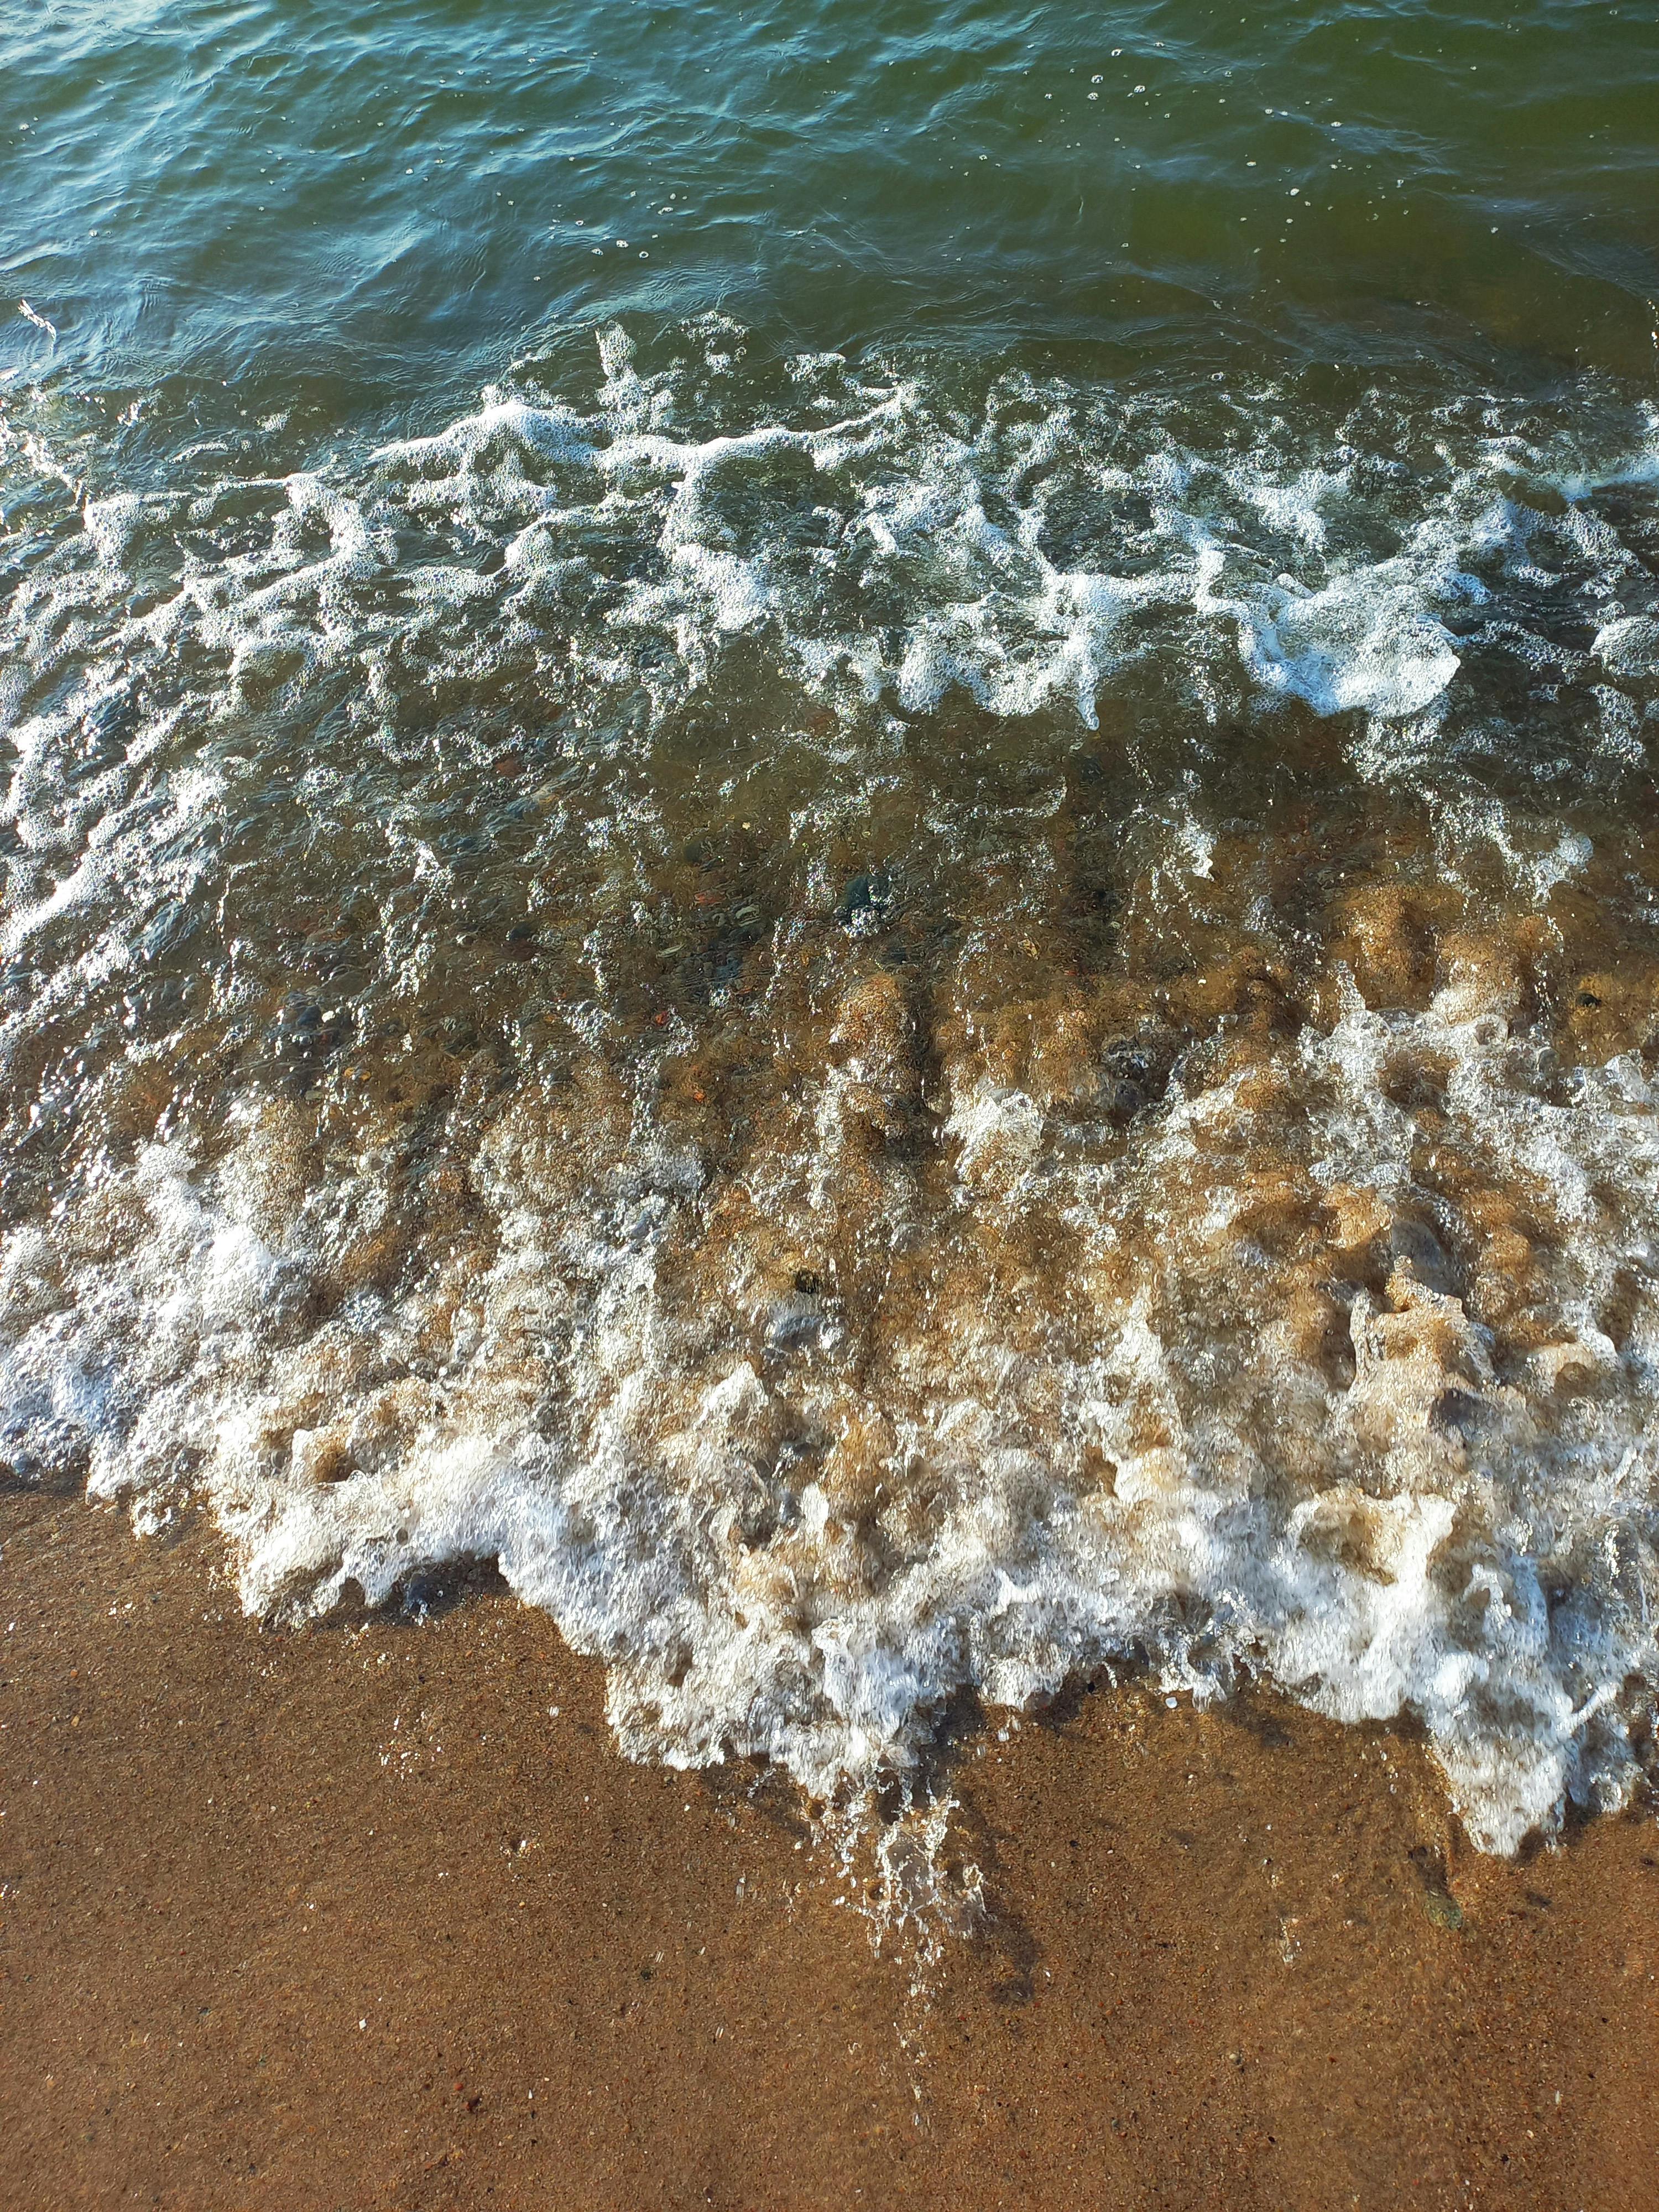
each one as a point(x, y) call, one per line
point(349, 1918)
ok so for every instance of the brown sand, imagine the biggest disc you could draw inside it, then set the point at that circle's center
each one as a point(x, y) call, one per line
point(347, 1918)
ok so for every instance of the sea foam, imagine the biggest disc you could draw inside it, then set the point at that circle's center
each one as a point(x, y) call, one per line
point(898, 1046)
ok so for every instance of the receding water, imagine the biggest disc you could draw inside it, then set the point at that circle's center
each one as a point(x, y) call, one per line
point(840, 823)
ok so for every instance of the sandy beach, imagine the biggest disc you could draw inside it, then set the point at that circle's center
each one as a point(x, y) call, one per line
point(376, 1916)
point(829, 1107)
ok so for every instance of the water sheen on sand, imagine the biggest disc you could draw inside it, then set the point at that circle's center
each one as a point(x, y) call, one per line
point(840, 823)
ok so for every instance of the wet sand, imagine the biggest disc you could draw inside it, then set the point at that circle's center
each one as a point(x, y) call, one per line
point(350, 1918)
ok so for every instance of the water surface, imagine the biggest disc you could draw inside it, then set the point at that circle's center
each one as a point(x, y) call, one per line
point(840, 823)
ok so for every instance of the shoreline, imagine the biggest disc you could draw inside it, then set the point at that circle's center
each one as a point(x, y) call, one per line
point(351, 1917)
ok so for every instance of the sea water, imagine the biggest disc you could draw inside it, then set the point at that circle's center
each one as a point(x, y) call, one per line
point(839, 823)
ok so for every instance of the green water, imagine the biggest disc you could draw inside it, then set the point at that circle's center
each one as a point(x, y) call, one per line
point(388, 200)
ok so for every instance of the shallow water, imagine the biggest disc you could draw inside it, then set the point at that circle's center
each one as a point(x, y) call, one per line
point(909, 934)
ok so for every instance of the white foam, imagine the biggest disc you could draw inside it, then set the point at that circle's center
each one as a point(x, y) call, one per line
point(1629, 646)
point(1115, 1438)
point(1364, 643)
point(938, 556)
point(1408, 1576)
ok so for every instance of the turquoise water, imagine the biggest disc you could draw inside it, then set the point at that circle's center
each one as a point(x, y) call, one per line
point(386, 201)
point(843, 826)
